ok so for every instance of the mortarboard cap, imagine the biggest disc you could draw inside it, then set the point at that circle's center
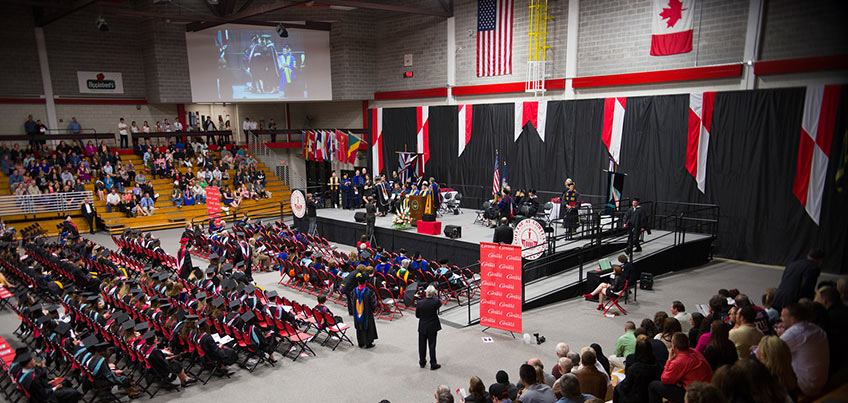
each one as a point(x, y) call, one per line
point(42, 320)
point(62, 328)
point(210, 270)
point(141, 327)
point(23, 357)
point(272, 294)
point(180, 315)
point(149, 335)
point(35, 309)
point(234, 304)
point(200, 296)
point(128, 325)
point(165, 306)
point(101, 346)
point(213, 256)
point(90, 341)
point(247, 317)
point(201, 322)
point(240, 263)
point(218, 302)
point(250, 289)
point(191, 317)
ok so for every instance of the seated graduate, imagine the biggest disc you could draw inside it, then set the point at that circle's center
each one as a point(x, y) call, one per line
point(215, 351)
point(33, 378)
point(324, 310)
point(104, 372)
point(163, 365)
point(259, 341)
point(384, 266)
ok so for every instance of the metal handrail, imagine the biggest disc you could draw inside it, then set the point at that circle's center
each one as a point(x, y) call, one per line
point(232, 215)
point(44, 203)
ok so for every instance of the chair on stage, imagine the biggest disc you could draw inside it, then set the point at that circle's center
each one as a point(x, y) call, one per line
point(481, 214)
point(613, 300)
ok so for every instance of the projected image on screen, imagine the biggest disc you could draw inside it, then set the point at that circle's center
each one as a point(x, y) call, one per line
point(254, 63)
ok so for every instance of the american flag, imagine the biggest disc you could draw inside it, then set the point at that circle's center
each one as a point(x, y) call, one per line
point(494, 37)
point(496, 181)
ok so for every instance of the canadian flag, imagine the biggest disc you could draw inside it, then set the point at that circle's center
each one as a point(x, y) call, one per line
point(700, 121)
point(533, 112)
point(377, 140)
point(423, 114)
point(464, 131)
point(672, 27)
point(613, 126)
point(817, 126)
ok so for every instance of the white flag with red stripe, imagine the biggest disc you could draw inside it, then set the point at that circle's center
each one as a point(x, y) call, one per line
point(817, 126)
point(698, 143)
point(377, 140)
point(613, 127)
point(533, 112)
point(423, 115)
point(672, 27)
point(464, 131)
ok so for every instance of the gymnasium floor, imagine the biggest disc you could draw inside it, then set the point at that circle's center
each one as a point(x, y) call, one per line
point(390, 370)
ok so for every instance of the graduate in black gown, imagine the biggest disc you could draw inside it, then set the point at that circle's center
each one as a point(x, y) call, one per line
point(364, 305)
point(215, 352)
point(33, 378)
point(184, 258)
point(163, 367)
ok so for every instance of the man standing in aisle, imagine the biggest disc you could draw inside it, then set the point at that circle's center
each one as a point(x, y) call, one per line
point(635, 222)
point(123, 133)
point(427, 312)
point(89, 213)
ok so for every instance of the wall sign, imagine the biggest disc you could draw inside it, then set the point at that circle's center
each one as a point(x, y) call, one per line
point(530, 236)
point(100, 82)
point(298, 203)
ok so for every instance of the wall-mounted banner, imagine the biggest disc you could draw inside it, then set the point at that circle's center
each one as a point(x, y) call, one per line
point(500, 286)
point(100, 82)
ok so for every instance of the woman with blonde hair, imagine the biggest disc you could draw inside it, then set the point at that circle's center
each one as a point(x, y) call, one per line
point(774, 353)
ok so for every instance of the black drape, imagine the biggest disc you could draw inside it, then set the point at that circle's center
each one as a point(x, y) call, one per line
point(751, 163)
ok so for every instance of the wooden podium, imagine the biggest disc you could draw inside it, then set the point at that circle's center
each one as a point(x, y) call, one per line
point(416, 207)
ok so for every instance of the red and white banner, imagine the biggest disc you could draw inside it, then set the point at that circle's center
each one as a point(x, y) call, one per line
point(700, 121)
point(613, 126)
point(423, 113)
point(672, 27)
point(500, 286)
point(534, 112)
point(213, 202)
point(377, 140)
point(464, 131)
point(817, 126)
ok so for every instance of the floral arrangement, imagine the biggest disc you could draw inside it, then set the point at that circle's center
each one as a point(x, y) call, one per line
point(403, 220)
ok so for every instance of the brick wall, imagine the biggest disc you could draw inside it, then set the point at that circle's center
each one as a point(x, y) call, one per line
point(104, 118)
point(342, 115)
point(14, 116)
point(615, 36)
point(21, 75)
point(165, 62)
point(75, 44)
point(465, 12)
point(803, 29)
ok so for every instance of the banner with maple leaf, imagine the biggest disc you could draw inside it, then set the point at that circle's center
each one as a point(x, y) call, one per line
point(672, 27)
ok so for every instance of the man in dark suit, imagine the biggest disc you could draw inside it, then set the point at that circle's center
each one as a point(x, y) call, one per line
point(799, 280)
point(635, 222)
point(503, 233)
point(427, 312)
point(89, 213)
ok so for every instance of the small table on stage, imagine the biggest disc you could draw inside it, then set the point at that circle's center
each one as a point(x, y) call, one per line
point(430, 227)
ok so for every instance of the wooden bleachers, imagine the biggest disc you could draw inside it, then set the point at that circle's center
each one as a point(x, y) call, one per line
point(166, 216)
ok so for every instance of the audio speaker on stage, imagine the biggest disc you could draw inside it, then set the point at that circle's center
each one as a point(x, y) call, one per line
point(428, 217)
point(359, 217)
point(453, 231)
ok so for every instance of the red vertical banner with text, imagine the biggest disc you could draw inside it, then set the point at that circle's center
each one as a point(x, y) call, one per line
point(500, 286)
point(213, 202)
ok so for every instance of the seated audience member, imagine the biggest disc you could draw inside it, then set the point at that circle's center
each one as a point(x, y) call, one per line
point(799, 280)
point(146, 204)
point(608, 290)
point(809, 347)
point(695, 321)
point(113, 200)
point(499, 393)
point(721, 350)
point(533, 391)
point(749, 380)
point(837, 325)
point(683, 367)
point(561, 352)
point(503, 378)
point(775, 355)
point(624, 346)
point(745, 334)
point(702, 392)
point(670, 326)
point(477, 392)
point(679, 312)
point(177, 197)
point(567, 390)
point(592, 380)
point(642, 369)
point(443, 395)
point(563, 366)
point(549, 379)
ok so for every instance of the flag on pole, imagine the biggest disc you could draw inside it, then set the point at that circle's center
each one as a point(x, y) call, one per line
point(355, 144)
point(320, 146)
point(672, 27)
point(423, 137)
point(505, 183)
point(377, 140)
point(817, 127)
point(700, 121)
point(406, 165)
point(494, 37)
point(341, 146)
point(496, 180)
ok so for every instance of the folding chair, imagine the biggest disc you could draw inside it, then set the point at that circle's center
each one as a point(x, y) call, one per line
point(297, 338)
point(613, 302)
point(388, 303)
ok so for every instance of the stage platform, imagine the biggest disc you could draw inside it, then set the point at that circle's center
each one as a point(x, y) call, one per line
point(338, 225)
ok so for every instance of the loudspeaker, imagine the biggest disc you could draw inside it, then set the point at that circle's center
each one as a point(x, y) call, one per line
point(646, 281)
point(453, 231)
point(359, 217)
point(428, 217)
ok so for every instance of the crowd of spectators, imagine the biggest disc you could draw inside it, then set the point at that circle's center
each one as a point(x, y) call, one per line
point(731, 351)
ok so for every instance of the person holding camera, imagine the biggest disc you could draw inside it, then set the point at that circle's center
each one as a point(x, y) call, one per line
point(311, 215)
point(370, 217)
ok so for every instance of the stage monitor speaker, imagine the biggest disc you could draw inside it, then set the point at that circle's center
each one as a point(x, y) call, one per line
point(453, 231)
point(359, 217)
point(428, 217)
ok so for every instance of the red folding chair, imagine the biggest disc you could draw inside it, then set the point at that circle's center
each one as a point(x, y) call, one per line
point(613, 302)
